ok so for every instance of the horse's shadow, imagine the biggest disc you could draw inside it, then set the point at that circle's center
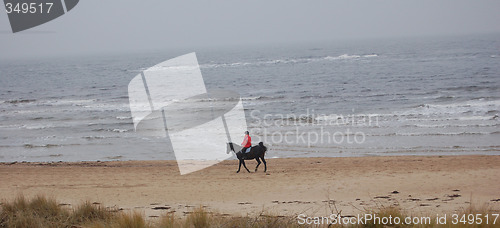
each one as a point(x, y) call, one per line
point(256, 152)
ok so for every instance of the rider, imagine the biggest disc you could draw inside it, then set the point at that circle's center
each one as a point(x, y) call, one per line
point(247, 143)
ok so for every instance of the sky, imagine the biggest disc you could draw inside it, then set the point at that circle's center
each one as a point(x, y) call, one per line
point(113, 26)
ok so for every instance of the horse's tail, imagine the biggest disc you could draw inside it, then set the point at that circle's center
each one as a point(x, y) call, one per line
point(261, 144)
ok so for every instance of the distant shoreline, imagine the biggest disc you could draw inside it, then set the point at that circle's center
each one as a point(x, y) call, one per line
point(115, 162)
point(104, 163)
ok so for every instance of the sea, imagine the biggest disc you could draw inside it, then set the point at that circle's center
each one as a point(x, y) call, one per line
point(431, 96)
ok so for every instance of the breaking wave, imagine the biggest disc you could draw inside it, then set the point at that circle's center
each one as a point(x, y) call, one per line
point(306, 59)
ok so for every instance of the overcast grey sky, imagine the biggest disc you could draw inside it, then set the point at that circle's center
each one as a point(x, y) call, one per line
point(96, 26)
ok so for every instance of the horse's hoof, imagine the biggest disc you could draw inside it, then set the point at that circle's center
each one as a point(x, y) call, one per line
point(237, 171)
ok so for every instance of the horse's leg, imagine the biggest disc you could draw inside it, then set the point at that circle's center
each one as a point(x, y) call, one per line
point(243, 161)
point(265, 165)
point(239, 167)
point(258, 163)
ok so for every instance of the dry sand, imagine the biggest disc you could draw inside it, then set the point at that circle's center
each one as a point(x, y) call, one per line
point(426, 185)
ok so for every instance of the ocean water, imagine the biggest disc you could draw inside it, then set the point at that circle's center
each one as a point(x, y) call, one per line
point(418, 96)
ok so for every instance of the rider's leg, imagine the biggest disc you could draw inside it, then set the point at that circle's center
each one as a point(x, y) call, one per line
point(243, 152)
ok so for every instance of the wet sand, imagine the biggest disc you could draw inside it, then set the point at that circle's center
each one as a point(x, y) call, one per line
point(312, 186)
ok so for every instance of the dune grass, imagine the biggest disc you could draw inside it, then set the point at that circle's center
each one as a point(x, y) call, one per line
point(37, 212)
point(42, 212)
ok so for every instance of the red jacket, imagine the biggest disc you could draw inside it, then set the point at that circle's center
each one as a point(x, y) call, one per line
point(247, 142)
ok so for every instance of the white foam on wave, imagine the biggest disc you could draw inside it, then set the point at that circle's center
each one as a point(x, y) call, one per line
point(451, 125)
point(219, 65)
point(262, 98)
point(120, 130)
point(347, 56)
point(471, 108)
point(30, 146)
point(463, 133)
point(287, 61)
point(55, 102)
point(36, 127)
point(344, 56)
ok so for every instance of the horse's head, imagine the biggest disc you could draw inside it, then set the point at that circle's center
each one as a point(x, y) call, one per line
point(232, 147)
point(229, 147)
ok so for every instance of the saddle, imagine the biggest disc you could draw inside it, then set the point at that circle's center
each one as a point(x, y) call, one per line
point(246, 151)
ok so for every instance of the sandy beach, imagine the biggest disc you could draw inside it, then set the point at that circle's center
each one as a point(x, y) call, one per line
point(312, 186)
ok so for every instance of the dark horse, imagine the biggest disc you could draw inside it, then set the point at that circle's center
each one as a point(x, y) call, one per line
point(256, 152)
